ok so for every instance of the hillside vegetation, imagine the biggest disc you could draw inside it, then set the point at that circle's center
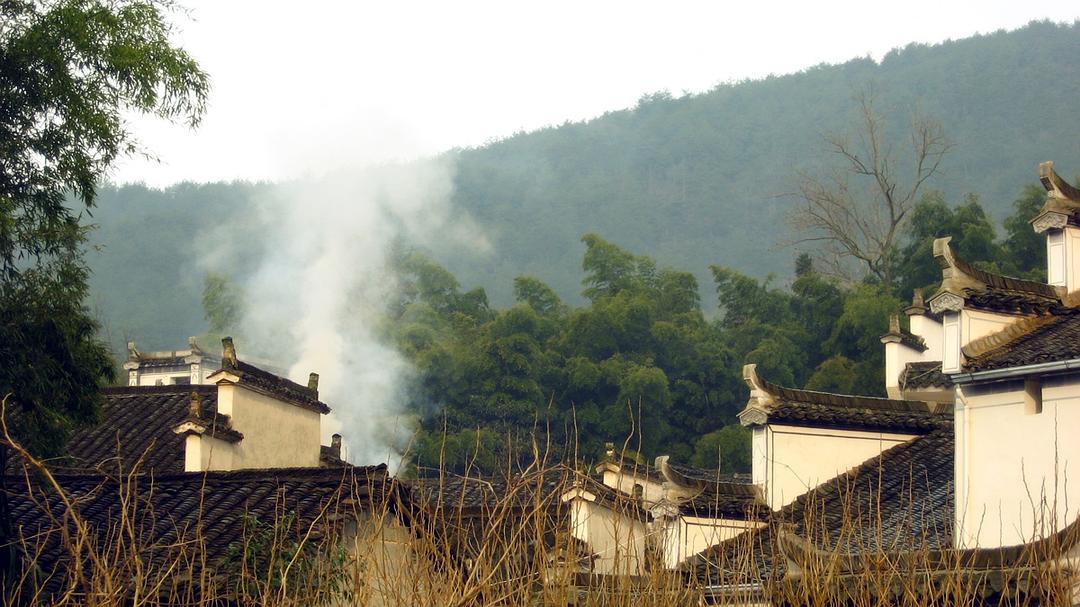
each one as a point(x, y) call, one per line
point(691, 181)
point(630, 276)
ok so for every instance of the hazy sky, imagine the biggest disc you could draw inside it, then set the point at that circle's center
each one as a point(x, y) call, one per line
point(300, 88)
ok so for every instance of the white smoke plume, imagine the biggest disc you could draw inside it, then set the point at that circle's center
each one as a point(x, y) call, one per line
point(322, 284)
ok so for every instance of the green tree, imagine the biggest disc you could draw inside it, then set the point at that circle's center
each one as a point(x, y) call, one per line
point(542, 298)
point(1024, 250)
point(70, 70)
point(727, 449)
point(968, 223)
point(610, 269)
point(222, 304)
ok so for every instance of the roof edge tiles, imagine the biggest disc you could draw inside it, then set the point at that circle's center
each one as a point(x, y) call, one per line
point(965, 285)
point(252, 377)
point(889, 491)
point(1010, 333)
point(1056, 338)
point(924, 374)
point(769, 403)
point(903, 336)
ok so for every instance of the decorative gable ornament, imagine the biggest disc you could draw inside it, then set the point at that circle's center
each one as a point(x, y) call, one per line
point(1049, 221)
point(946, 302)
point(753, 417)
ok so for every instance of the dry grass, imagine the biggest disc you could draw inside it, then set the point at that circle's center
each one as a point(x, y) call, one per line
point(505, 540)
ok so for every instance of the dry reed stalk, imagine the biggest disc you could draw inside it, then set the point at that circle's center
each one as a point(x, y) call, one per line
point(515, 547)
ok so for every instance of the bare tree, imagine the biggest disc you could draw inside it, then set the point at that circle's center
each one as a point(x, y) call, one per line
point(858, 209)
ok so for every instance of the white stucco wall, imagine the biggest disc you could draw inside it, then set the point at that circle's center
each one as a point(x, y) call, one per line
point(897, 356)
point(794, 460)
point(651, 492)
point(618, 539)
point(976, 323)
point(386, 572)
point(685, 536)
point(930, 331)
point(213, 454)
point(961, 328)
point(1063, 257)
point(166, 378)
point(277, 434)
point(193, 373)
point(1013, 465)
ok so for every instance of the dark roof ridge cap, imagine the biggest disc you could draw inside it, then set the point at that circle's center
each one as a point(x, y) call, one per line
point(298, 472)
point(308, 398)
point(777, 393)
point(1010, 333)
point(165, 389)
point(958, 276)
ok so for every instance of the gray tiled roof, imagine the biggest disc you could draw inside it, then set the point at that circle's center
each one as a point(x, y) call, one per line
point(136, 426)
point(481, 494)
point(281, 387)
point(902, 500)
point(188, 511)
point(1055, 340)
point(924, 374)
point(822, 409)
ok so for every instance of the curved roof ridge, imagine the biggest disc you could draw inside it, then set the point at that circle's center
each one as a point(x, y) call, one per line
point(965, 285)
point(962, 269)
point(781, 393)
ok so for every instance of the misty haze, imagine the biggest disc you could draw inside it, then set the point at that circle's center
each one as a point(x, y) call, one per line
point(605, 304)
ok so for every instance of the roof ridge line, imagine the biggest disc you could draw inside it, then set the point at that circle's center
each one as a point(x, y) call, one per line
point(756, 382)
point(960, 276)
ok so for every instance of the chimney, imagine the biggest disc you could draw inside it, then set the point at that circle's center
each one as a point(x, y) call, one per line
point(335, 443)
point(313, 381)
point(609, 451)
point(918, 304)
point(133, 354)
point(894, 323)
point(228, 353)
point(195, 406)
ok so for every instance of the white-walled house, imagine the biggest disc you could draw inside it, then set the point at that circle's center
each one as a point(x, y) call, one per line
point(970, 465)
point(702, 508)
point(191, 366)
point(1012, 347)
point(235, 417)
point(802, 438)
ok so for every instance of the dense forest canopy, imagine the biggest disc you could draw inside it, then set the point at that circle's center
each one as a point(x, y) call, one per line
point(636, 261)
point(640, 360)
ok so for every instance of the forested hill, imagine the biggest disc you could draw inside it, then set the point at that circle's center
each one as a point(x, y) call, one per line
point(694, 180)
point(689, 180)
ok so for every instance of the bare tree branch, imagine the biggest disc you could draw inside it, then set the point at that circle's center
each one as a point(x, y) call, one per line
point(859, 209)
